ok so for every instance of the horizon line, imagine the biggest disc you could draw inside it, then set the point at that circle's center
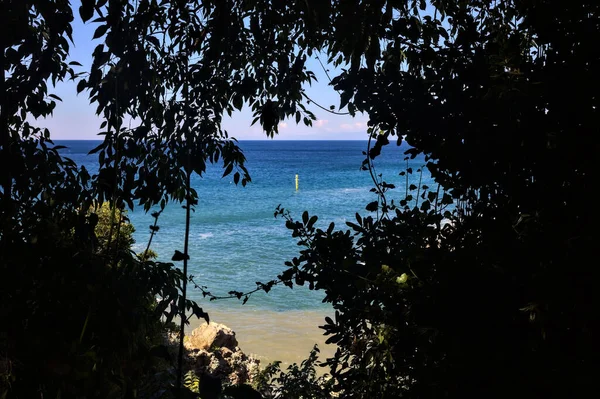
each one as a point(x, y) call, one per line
point(312, 139)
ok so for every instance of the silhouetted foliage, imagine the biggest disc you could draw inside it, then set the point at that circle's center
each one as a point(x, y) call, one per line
point(297, 382)
point(483, 287)
point(492, 296)
point(78, 321)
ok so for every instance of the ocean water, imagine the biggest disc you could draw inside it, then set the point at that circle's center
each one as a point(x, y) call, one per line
point(235, 239)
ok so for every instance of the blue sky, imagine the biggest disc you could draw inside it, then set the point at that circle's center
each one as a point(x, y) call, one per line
point(75, 119)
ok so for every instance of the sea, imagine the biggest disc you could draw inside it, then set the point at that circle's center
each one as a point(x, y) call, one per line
point(235, 240)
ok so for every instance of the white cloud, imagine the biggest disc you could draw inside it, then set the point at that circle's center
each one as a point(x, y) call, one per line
point(283, 125)
point(353, 127)
point(320, 122)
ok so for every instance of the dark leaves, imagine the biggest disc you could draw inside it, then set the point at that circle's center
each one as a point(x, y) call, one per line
point(372, 206)
point(179, 256)
point(198, 312)
point(100, 31)
point(86, 10)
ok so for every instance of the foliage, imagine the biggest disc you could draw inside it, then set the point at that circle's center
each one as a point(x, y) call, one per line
point(491, 296)
point(298, 382)
point(192, 382)
point(112, 228)
point(500, 96)
point(175, 68)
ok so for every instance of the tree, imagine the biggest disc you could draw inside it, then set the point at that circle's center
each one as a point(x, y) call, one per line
point(501, 99)
point(500, 96)
point(176, 67)
point(121, 238)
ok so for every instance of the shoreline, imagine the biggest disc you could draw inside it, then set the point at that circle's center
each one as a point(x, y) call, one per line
point(286, 336)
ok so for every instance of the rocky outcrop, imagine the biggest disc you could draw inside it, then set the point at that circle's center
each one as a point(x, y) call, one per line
point(212, 336)
point(232, 367)
point(212, 350)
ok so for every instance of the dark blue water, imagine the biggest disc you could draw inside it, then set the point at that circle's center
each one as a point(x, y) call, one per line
point(236, 241)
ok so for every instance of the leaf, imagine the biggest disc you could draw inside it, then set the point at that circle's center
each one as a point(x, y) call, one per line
point(334, 339)
point(345, 98)
point(100, 31)
point(86, 10)
point(96, 149)
point(358, 218)
point(353, 226)
point(154, 40)
point(238, 101)
point(431, 196)
point(179, 256)
point(199, 313)
point(447, 199)
point(228, 169)
point(305, 217)
point(372, 206)
point(81, 85)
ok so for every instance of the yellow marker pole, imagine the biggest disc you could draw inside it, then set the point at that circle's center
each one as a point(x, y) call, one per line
point(296, 182)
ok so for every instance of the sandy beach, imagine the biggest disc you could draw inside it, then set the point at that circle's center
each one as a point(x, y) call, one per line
point(286, 336)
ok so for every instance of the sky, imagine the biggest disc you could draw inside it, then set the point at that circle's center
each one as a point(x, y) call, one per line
point(74, 118)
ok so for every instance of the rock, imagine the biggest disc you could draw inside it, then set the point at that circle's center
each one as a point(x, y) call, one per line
point(226, 353)
point(213, 336)
point(212, 351)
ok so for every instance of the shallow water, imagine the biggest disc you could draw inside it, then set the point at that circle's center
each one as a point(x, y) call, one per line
point(236, 241)
point(286, 336)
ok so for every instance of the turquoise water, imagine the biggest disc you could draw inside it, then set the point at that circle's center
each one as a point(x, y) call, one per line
point(236, 241)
